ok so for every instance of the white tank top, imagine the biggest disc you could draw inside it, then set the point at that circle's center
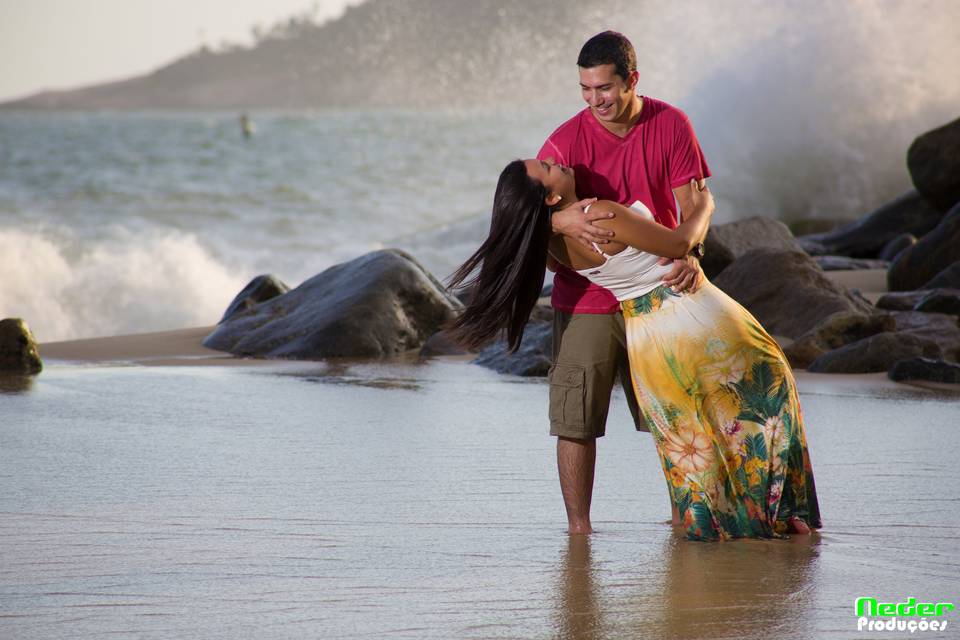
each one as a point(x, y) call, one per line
point(630, 273)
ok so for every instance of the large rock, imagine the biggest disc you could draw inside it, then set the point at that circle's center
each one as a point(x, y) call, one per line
point(533, 358)
point(931, 300)
point(866, 237)
point(876, 353)
point(18, 348)
point(900, 300)
point(941, 328)
point(260, 289)
point(917, 265)
point(934, 163)
point(925, 369)
point(940, 301)
point(949, 278)
point(787, 292)
point(833, 332)
point(893, 248)
point(845, 263)
point(727, 242)
point(376, 306)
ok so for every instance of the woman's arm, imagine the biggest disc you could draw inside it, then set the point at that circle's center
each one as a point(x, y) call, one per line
point(648, 235)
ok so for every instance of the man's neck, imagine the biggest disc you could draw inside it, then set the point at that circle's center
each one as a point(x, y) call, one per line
point(622, 126)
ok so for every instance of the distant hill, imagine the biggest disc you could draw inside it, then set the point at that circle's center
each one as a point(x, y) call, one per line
point(416, 53)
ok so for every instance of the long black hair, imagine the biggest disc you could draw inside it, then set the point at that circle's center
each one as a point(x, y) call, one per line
point(511, 260)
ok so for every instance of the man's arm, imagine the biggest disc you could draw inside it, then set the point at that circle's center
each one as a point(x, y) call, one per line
point(686, 161)
point(685, 198)
point(686, 274)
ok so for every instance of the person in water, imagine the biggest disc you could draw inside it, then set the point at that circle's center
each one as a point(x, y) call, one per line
point(714, 387)
point(624, 147)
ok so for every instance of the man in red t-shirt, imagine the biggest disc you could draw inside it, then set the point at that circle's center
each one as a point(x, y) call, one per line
point(626, 148)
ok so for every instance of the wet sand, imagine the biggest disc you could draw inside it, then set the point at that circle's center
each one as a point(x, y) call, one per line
point(418, 501)
point(402, 500)
point(177, 347)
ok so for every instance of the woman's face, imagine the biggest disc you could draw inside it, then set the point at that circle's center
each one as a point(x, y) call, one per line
point(557, 178)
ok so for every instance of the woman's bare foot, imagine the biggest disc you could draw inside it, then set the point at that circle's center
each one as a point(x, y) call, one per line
point(796, 525)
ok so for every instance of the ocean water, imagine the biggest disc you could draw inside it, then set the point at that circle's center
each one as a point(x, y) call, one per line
point(125, 222)
point(121, 223)
point(117, 223)
point(400, 500)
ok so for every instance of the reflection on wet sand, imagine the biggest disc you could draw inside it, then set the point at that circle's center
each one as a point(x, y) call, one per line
point(344, 373)
point(701, 590)
point(714, 590)
point(578, 613)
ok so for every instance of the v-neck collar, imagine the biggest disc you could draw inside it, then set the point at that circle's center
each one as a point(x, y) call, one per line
point(643, 114)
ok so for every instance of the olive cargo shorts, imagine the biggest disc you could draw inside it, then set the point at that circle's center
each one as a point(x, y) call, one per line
point(589, 351)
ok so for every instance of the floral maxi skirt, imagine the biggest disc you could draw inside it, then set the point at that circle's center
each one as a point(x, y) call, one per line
point(722, 405)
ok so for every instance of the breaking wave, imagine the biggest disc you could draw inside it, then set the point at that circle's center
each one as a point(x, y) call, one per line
point(126, 282)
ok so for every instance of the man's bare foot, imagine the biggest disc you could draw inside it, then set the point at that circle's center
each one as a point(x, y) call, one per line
point(580, 529)
point(796, 525)
point(674, 516)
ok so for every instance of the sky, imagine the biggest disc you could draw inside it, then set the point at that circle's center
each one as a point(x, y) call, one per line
point(64, 44)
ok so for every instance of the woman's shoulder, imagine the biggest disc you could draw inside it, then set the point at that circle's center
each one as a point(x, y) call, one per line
point(624, 218)
point(610, 206)
point(604, 205)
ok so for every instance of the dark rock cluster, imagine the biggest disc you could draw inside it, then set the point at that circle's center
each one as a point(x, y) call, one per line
point(918, 234)
point(912, 332)
point(384, 303)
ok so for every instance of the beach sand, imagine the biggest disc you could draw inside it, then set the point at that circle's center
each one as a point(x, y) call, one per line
point(872, 283)
point(159, 348)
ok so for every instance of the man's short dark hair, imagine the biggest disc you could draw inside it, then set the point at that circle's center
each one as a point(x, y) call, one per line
point(609, 47)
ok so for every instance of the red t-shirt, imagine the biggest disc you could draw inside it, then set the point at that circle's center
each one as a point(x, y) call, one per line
point(658, 154)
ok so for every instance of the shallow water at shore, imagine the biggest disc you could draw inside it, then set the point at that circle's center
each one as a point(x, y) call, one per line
point(415, 501)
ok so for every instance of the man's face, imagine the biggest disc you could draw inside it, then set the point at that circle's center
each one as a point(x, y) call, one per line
point(607, 93)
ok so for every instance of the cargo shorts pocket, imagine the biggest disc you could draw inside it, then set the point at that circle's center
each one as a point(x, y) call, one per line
point(567, 394)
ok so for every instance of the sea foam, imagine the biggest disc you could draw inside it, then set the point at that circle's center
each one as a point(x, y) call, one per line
point(125, 282)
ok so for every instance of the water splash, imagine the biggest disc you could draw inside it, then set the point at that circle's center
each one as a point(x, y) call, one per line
point(126, 282)
point(803, 109)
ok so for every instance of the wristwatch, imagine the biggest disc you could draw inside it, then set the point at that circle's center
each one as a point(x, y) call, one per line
point(698, 251)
